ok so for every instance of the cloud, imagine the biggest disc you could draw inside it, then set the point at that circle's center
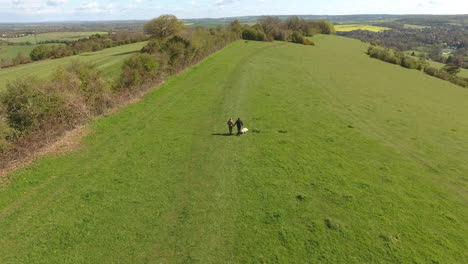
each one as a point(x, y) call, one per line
point(225, 2)
point(94, 8)
point(56, 2)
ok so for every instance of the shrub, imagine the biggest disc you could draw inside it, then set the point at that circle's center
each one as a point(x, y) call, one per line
point(137, 69)
point(21, 58)
point(178, 51)
point(84, 80)
point(152, 47)
point(41, 52)
point(409, 63)
point(431, 71)
point(261, 36)
point(297, 37)
point(249, 33)
point(6, 133)
point(6, 62)
point(452, 68)
point(309, 42)
point(326, 27)
point(26, 103)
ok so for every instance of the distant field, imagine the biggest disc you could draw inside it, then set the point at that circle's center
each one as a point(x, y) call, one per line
point(415, 26)
point(12, 51)
point(348, 160)
point(109, 60)
point(52, 36)
point(360, 27)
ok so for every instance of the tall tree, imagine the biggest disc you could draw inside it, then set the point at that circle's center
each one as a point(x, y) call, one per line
point(164, 26)
point(295, 23)
point(235, 26)
point(269, 24)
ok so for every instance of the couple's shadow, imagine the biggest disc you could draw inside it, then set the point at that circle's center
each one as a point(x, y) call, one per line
point(223, 134)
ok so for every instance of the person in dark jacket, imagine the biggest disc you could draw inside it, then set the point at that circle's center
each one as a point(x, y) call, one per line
point(239, 125)
point(230, 124)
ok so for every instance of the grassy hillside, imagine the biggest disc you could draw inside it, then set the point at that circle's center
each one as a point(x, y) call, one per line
point(12, 51)
point(58, 36)
point(108, 60)
point(349, 160)
point(360, 27)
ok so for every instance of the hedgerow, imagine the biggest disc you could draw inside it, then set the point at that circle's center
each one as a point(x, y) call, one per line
point(397, 57)
point(41, 110)
point(292, 29)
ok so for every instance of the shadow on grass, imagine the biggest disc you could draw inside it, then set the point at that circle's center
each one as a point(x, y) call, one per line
point(126, 53)
point(223, 134)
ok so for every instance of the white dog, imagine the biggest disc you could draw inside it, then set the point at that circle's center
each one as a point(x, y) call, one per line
point(244, 130)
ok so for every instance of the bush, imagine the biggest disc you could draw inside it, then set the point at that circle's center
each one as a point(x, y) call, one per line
point(431, 71)
point(297, 37)
point(85, 81)
point(409, 63)
point(137, 69)
point(6, 133)
point(21, 58)
point(41, 52)
point(26, 103)
point(152, 47)
point(309, 42)
point(326, 27)
point(249, 33)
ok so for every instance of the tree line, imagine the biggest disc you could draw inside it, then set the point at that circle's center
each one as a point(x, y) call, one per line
point(292, 29)
point(429, 41)
point(34, 111)
point(448, 72)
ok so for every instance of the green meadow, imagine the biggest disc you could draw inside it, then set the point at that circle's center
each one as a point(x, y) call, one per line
point(348, 160)
point(9, 52)
point(108, 60)
point(52, 36)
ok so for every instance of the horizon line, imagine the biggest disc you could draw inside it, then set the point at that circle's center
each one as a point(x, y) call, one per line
point(230, 17)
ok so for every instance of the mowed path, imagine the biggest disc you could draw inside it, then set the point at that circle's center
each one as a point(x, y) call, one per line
point(348, 160)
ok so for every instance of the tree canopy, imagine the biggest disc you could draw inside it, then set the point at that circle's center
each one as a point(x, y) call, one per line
point(164, 26)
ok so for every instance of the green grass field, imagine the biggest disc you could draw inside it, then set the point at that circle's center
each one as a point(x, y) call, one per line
point(348, 160)
point(360, 27)
point(52, 36)
point(109, 60)
point(12, 51)
point(415, 26)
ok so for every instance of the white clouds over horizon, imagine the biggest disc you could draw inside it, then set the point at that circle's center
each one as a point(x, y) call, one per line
point(61, 10)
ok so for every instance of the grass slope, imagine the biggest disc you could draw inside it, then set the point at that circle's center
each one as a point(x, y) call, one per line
point(60, 36)
point(360, 27)
point(12, 51)
point(354, 161)
point(109, 60)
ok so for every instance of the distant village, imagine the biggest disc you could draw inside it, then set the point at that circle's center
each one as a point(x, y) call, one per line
point(15, 35)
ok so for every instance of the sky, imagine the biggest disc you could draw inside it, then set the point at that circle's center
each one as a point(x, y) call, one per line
point(91, 10)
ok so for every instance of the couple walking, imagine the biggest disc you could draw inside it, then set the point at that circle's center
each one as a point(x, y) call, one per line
point(238, 123)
